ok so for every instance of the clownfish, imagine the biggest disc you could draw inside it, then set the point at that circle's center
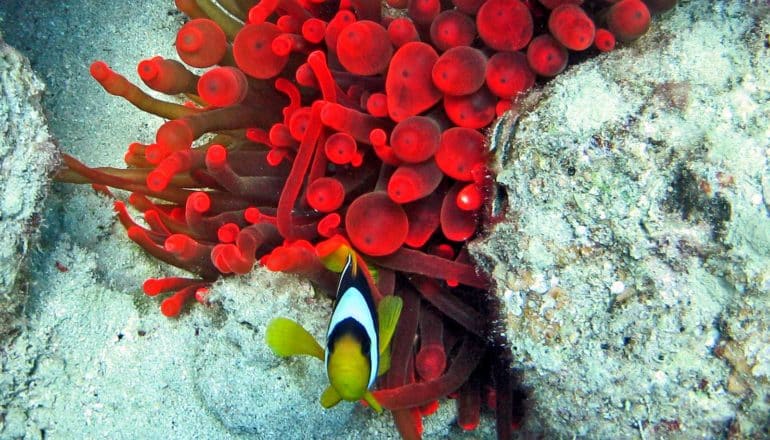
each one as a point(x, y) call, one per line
point(357, 348)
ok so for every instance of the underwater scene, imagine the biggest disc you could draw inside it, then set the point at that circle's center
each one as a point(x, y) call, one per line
point(399, 219)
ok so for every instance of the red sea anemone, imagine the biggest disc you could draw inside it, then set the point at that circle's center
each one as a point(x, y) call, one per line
point(319, 124)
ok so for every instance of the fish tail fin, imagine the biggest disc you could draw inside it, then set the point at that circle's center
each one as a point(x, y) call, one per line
point(287, 338)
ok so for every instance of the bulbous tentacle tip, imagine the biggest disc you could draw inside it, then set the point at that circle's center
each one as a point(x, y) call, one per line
point(252, 50)
point(228, 232)
point(508, 74)
point(157, 180)
point(375, 224)
point(340, 148)
point(201, 43)
point(216, 156)
point(460, 71)
point(461, 148)
point(99, 70)
point(475, 110)
point(172, 306)
point(415, 139)
point(430, 361)
point(409, 84)
point(546, 56)
point(223, 86)
point(175, 135)
point(363, 48)
point(505, 25)
point(605, 40)
point(148, 70)
point(470, 197)
point(628, 19)
point(199, 202)
point(572, 27)
point(452, 28)
point(325, 194)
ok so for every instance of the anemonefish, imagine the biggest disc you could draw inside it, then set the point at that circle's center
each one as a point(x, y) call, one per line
point(357, 340)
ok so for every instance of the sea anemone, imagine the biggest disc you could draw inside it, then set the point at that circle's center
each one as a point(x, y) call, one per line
point(320, 124)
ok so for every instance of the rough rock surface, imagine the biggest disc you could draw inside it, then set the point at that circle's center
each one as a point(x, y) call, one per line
point(27, 157)
point(634, 261)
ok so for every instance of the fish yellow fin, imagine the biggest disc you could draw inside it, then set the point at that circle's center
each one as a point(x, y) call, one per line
point(287, 338)
point(388, 312)
point(330, 397)
point(372, 401)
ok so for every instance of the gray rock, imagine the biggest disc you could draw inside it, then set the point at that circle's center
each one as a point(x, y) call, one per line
point(27, 158)
point(634, 261)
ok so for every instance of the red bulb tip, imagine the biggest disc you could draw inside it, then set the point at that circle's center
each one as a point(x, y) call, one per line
point(199, 201)
point(216, 156)
point(157, 180)
point(151, 287)
point(228, 232)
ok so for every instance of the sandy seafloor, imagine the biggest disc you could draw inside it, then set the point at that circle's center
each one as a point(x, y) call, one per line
point(97, 359)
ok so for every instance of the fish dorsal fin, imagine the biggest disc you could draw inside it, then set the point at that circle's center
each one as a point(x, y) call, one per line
point(330, 397)
point(287, 338)
point(388, 312)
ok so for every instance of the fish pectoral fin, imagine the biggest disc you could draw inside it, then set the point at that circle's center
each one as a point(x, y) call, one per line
point(388, 312)
point(330, 397)
point(372, 401)
point(287, 338)
point(384, 363)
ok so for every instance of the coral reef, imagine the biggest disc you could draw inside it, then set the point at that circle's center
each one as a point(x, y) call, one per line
point(27, 158)
point(634, 262)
